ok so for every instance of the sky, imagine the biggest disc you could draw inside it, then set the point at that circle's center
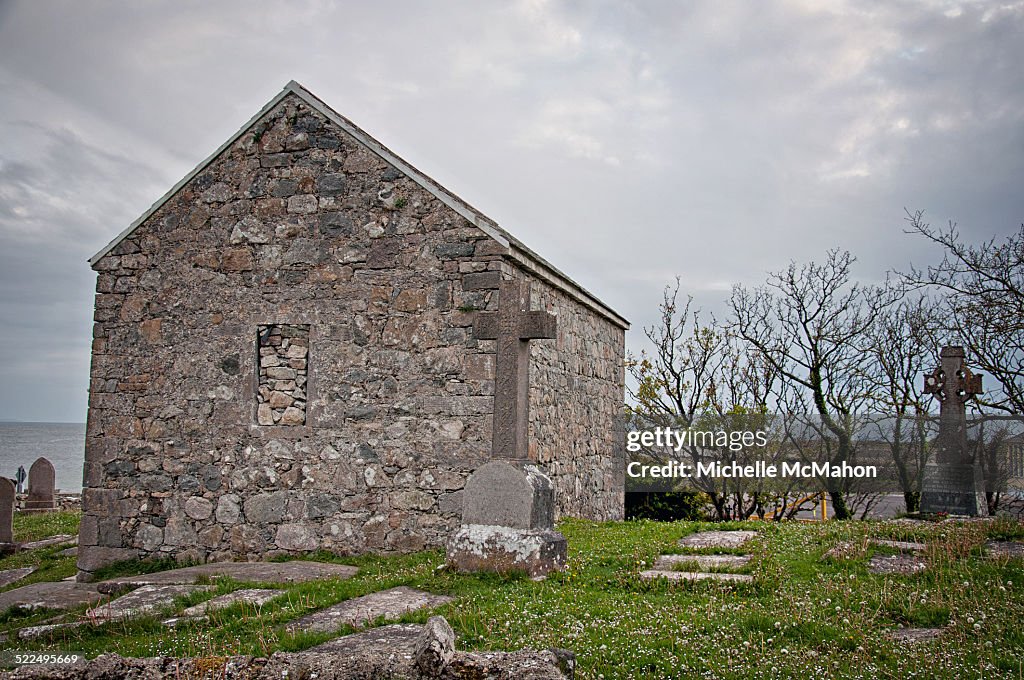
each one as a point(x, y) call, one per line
point(626, 142)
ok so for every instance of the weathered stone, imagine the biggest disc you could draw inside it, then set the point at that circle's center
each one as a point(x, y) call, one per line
point(701, 561)
point(478, 547)
point(48, 595)
point(296, 537)
point(360, 611)
point(41, 478)
point(508, 494)
point(906, 546)
point(49, 542)
point(302, 205)
point(250, 230)
point(228, 509)
point(915, 635)
point(297, 571)
point(145, 600)
point(293, 416)
point(1005, 549)
point(717, 539)
point(672, 575)
point(266, 508)
point(435, 646)
point(198, 507)
point(257, 597)
point(9, 576)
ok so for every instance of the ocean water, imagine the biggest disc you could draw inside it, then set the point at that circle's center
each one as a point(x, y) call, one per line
point(62, 443)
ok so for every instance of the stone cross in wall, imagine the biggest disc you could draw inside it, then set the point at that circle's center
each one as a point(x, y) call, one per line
point(953, 481)
point(513, 326)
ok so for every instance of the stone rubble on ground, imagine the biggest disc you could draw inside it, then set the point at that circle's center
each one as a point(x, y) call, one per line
point(401, 652)
point(896, 564)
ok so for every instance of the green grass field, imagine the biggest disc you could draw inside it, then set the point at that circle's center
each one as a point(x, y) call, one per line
point(801, 617)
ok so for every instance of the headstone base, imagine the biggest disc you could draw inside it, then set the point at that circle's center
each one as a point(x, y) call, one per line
point(480, 547)
point(954, 489)
point(8, 549)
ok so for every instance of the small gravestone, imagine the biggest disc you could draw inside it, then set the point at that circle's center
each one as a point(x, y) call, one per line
point(953, 482)
point(41, 478)
point(507, 522)
point(7, 495)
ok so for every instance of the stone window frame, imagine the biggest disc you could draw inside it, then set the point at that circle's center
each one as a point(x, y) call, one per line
point(252, 385)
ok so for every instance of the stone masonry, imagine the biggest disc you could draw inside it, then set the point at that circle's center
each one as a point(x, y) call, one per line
point(284, 359)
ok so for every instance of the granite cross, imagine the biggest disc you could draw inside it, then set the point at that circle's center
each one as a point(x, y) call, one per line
point(953, 385)
point(953, 482)
point(513, 326)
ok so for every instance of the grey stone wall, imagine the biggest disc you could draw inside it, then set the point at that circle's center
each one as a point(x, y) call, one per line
point(298, 226)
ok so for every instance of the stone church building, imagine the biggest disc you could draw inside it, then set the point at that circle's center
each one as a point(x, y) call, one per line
point(296, 349)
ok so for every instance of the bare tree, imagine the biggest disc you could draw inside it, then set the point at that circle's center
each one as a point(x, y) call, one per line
point(983, 289)
point(809, 323)
point(902, 343)
point(700, 376)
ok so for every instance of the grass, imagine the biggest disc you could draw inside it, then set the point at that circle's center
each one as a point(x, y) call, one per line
point(802, 616)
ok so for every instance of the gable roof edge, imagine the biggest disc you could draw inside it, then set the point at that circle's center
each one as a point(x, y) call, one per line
point(517, 250)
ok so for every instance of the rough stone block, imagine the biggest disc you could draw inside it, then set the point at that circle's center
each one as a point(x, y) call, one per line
point(478, 547)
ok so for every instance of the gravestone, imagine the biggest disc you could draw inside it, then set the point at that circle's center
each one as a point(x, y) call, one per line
point(41, 478)
point(953, 481)
point(508, 503)
point(7, 496)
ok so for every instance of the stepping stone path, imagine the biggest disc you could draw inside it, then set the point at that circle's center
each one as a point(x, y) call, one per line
point(260, 572)
point(717, 539)
point(51, 595)
point(665, 565)
point(60, 539)
point(9, 576)
point(357, 612)
point(145, 600)
point(256, 597)
point(1006, 549)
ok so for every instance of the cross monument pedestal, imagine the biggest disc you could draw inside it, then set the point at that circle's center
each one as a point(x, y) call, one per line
point(509, 503)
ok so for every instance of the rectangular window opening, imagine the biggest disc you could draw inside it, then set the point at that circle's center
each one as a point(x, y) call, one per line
point(283, 372)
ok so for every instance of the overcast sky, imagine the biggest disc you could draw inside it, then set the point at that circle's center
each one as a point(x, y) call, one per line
point(626, 142)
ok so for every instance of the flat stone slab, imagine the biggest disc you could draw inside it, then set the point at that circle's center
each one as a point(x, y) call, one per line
point(146, 600)
point(1011, 549)
point(69, 552)
point(33, 632)
point(357, 612)
point(51, 595)
point(914, 635)
point(905, 546)
point(703, 562)
point(256, 597)
point(896, 564)
point(654, 574)
point(9, 576)
point(399, 638)
point(261, 572)
point(59, 539)
point(716, 539)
